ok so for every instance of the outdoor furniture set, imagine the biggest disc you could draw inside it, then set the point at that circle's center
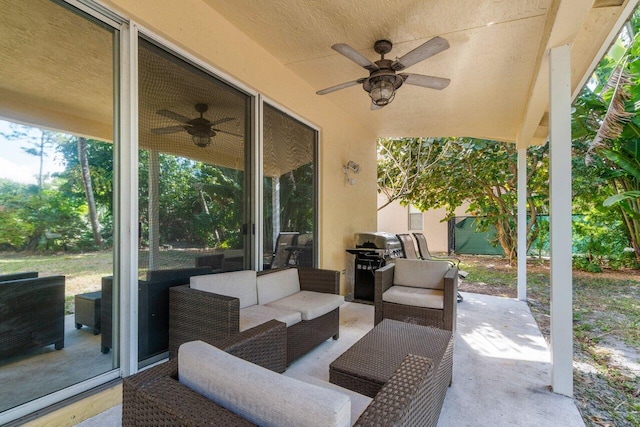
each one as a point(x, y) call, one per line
point(206, 385)
point(31, 312)
point(405, 367)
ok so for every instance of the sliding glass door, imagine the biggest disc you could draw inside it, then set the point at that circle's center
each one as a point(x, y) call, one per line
point(58, 83)
point(193, 192)
point(289, 191)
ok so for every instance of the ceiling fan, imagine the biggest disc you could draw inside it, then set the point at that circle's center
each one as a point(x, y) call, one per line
point(200, 129)
point(383, 81)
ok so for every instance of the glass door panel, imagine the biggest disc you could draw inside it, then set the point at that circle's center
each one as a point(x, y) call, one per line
point(57, 220)
point(289, 189)
point(192, 184)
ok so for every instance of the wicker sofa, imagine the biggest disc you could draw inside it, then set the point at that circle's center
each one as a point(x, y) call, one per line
point(196, 314)
point(31, 312)
point(417, 291)
point(165, 395)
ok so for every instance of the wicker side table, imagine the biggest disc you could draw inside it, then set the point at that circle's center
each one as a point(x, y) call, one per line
point(88, 310)
point(369, 363)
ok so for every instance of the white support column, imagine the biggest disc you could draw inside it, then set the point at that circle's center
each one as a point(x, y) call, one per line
point(560, 220)
point(522, 224)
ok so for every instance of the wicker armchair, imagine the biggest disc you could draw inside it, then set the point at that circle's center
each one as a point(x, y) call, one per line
point(155, 397)
point(175, 404)
point(198, 315)
point(443, 318)
point(31, 313)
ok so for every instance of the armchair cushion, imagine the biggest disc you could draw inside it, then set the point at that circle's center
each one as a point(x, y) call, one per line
point(259, 314)
point(277, 285)
point(310, 304)
point(236, 284)
point(261, 396)
point(417, 297)
point(420, 273)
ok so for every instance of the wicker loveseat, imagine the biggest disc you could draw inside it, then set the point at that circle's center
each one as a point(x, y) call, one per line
point(417, 291)
point(248, 395)
point(31, 312)
point(225, 309)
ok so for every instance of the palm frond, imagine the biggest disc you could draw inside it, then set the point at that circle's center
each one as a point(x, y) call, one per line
point(616, 116)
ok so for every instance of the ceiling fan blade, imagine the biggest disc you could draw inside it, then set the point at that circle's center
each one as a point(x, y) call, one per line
point(174, 116)
point(431, 82)
point(340, 86)
point(355, 56)
point(375, 107)
point(226, 119)
point(229, 133)
point(422, 52)
point(168, 129)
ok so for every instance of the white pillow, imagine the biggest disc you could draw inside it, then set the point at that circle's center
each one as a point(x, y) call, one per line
point(276, 285)
point(237, 284)
point(420, 273)
point(259, 395)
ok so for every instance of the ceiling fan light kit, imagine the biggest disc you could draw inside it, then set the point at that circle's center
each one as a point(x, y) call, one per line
point(383, 82)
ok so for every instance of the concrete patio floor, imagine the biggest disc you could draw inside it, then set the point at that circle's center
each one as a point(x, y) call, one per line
point(501, 367)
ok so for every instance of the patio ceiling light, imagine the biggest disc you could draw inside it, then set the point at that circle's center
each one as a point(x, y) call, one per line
point(201, 134)
point(383, 89)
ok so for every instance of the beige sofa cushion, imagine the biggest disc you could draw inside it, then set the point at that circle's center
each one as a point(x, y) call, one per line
point(259, 314)
point(257, 394)
point(417, 297)
point(237, 284)
point(277, 285)
point(420, 273)
point(309, 304)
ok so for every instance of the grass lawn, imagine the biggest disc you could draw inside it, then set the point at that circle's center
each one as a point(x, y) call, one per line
point(606, 324)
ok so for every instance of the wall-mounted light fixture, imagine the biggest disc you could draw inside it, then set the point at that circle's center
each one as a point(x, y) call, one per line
point(353, 168)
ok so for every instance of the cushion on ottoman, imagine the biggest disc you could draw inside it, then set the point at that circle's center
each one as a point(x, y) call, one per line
point(237, 284)
point(261, 396)
point(259, 314)
point(309, 304)
point(420, 273)
point(280, 284)
point(417, 297)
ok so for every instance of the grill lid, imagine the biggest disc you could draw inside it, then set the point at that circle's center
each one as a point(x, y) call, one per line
point(377, 240)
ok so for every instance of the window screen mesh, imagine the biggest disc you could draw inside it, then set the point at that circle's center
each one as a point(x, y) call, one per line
point(289, 182)
point(191, 197)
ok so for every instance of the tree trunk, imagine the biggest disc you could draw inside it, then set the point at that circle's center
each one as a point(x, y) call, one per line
point(88, 190)
point(43, 136)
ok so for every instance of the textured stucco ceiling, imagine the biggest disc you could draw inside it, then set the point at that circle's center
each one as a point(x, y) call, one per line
point(496, 62)
point(50, 79)
point(493, 62)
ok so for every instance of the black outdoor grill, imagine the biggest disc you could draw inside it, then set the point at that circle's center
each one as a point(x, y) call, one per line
point(372, 251)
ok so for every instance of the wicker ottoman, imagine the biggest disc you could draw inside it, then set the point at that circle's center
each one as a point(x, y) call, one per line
point(369, 363)
point(88, 310)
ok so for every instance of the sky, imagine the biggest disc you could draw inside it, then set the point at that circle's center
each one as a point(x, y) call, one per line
point(19, 166)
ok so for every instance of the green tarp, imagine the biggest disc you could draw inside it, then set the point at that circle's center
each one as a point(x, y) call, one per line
point(470, 241)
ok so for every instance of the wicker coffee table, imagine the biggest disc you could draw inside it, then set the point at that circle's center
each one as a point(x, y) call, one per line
point(369, 363)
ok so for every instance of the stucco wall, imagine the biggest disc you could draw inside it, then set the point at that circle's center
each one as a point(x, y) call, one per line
point(394, 218)
point(201, 31)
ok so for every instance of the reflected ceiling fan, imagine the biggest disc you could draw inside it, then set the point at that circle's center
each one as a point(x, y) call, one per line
point(383, 81)
point(200, 129)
